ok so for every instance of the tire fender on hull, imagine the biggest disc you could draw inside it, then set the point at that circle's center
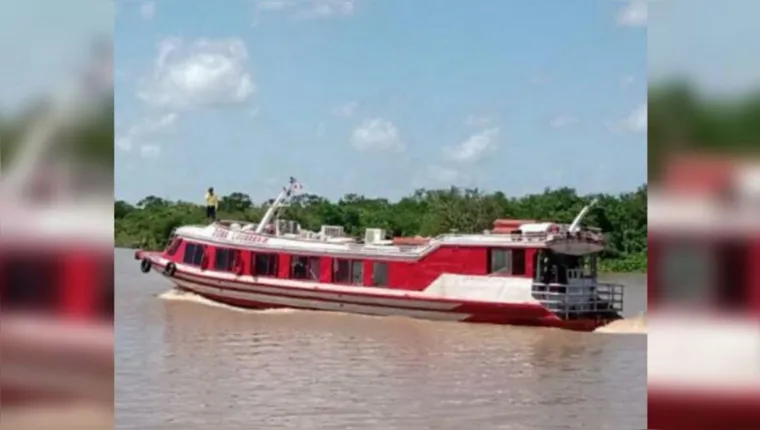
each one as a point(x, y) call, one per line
point(145, 265)
point(170, 269)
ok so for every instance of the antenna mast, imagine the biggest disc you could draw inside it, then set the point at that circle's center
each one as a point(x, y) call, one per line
point(285, 194)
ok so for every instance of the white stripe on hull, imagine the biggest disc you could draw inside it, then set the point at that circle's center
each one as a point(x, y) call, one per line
point(326, 294)
point(323, 305)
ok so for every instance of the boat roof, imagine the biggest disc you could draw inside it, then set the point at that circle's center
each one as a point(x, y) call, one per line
point(71, 223)
point(695, 216)
point(217, 234)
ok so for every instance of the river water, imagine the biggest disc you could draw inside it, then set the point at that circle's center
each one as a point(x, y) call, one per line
point(188, 364)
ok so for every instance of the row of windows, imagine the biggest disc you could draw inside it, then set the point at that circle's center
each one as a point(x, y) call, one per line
point(40, 283)
point(301, 267)
point(500, 261)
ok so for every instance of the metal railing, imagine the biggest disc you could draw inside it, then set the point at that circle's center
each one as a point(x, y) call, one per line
point(581, 301)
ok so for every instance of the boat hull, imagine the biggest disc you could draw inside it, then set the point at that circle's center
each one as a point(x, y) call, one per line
point(272, 294)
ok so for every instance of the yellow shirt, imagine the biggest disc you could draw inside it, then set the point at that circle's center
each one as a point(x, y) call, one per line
point(211, 200)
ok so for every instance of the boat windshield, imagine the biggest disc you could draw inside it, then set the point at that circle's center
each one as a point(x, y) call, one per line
point(551, 267)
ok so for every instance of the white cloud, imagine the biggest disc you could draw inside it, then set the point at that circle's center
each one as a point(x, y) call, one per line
point(145, 129)
point(328, 9)
point(635, 122)
point(274, 4)
point(476, 147)
point(204, 73)
point(148, 127)
point(148, 10)
point(377, 134)
point(346, 110)
point(309, 9)
point(478, 121)
point(562, 121)
point(633, 14)
point(150, 151)
point(626, 81)
point(442, 174)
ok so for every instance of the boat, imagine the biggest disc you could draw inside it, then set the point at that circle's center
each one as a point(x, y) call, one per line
point(56, 261)
point(536, 274)
point(704, 294)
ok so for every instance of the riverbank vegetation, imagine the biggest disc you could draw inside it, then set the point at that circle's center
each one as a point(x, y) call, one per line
point(623, 217)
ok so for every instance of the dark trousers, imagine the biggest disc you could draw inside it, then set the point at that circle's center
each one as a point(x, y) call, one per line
point(211, 212)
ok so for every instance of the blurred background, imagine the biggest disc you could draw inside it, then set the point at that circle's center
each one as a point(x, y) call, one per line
point(56, 214)
point(704, 214)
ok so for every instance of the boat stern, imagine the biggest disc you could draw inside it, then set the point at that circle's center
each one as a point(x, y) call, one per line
point(582, 306)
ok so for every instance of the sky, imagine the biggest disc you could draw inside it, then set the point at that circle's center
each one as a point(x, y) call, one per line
point(45, 43)
point(713, 43)
point(378, 97)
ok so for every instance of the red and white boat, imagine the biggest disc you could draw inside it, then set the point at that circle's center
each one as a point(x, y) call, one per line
point(56, 259)
point(522, 273)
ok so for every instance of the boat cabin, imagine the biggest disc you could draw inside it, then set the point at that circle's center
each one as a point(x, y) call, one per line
point(704, 241)
point(384, 269)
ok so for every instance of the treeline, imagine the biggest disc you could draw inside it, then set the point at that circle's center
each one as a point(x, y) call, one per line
point(623, 217)
point(89, 139)
point(683, 119)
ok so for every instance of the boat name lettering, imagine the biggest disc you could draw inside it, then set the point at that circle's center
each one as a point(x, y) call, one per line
point(240, 236)
point(249, 237)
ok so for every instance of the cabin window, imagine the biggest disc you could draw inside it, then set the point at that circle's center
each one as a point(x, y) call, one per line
point(733, 267)
point(225, 259)
point(31, 283)
point(106, 287)
point(518, 262)
point(688, 271)
point(379, 274)
point(348, 272)
point(304, 268)
point(194, 254)
point(174, 246)
point(500, 261)
point(266, 264)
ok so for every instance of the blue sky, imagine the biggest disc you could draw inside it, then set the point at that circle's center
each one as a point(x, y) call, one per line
point(379, 97)
point(711, 42)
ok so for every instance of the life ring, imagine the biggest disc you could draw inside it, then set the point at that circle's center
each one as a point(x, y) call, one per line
point(145, 265)
point(169, 269)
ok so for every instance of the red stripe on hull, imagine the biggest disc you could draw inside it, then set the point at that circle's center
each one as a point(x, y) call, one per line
point(695, 409)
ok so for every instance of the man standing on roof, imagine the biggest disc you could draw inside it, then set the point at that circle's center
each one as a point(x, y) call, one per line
point(212, 203)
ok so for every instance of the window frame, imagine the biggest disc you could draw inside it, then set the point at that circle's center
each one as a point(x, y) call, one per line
point(523, 267)
point(311, 275)
point(174, 246)
point(271, 257)
point(386, 274)
point(231, 255)
point(197, 257)
point(44, 294)
point(350, 278)
point(506, 270)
